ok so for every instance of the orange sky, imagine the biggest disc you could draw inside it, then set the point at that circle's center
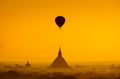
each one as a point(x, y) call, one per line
point(28, 30)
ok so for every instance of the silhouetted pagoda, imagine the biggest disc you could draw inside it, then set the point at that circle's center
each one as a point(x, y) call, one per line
point(59, 62)
point(27, 64)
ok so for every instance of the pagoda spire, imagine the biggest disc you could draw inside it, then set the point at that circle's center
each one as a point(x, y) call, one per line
point(60, 53)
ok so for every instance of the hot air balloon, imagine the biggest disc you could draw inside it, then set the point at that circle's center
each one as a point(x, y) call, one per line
point(60, 20)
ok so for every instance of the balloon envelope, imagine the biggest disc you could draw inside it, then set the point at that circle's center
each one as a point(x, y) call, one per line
point(60, 20)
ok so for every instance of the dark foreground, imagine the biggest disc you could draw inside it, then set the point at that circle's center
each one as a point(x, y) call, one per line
point(55, 75)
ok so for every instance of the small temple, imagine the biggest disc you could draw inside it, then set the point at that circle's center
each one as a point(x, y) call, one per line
point(27, 64)
point(59, 62)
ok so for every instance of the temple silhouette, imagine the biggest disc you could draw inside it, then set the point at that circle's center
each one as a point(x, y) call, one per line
point(27, 64)
point(59, 62)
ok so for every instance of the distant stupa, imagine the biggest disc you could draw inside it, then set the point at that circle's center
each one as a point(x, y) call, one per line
point(59, 62)
point(27, 64)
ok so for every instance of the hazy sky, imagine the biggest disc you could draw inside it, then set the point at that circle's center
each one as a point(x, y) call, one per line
point(28, 30)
